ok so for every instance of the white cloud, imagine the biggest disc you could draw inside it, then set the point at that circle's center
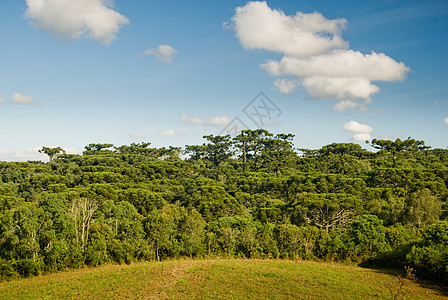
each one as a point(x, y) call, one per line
point(138, 135)
point(219, 121)
point(352, 104)
point(340, 64)
point(286, 86)
point(214, 121)
point(74, 19)
point(72, 150)
point(342, 75)
point(22, 155)
point(315, 53)
point(21, 99)
point(361, 131)
point(339, 88)
point(163, 53)
point(446, 120)
point(31, 153)
point(191, 120)
point(3, 153)
point(1, 99)
point(259, 27)
point(362, 137)
point(356, 127)
point(171, 132)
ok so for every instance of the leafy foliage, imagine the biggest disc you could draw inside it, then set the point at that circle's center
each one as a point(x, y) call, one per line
point(249, 196)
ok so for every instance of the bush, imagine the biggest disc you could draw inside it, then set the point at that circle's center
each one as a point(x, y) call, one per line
point(28, 267)
point(121, 252)
point(56, 257)
point(430, 257)
point(7, 270)
point(369, 236)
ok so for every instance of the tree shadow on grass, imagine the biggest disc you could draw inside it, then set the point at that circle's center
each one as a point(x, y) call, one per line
point(407, 275)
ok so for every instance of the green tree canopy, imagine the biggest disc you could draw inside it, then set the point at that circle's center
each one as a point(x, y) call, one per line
point(398, 145)
point(52, 152)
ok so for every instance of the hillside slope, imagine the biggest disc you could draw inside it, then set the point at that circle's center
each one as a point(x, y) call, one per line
point(222, 279)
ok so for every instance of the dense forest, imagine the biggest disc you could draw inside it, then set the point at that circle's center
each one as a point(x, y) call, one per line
point(253, 196)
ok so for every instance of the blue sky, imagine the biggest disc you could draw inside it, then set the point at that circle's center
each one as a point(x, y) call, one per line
point(169, 72)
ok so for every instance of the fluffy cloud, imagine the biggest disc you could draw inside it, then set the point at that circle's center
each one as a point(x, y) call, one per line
point(218, 121)
point(24, 155)
point(339, 88)
point(352, 104)
point(30, 154)
point(171, 132)
point(1, 99)
point(361, 137)
point(285, 86)
point(73, 19)
point(446, 120)
point(361, 131)
point(4, 153)
point(191, 120)
point(315, 53)
point(163, 53)
point(72, 150)
point(259, 27)
point(356, 127)
point(214, 121)
point(340, 64)
point(20, 99)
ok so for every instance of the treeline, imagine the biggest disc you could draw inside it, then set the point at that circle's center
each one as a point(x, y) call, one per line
point(251, 196)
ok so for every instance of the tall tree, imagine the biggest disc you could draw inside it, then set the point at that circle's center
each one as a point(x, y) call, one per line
point(81, 211)
point(341, 149)
point(52, 152)
point(277, 152)
point(98, 147)
point(423, 208)
point(29, 220)
point(241, 141)
point(251, 144)
point(134, 148)
point(217, 150)
point(397, 146)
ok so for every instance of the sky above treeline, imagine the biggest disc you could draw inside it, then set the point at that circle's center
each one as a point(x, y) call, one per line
point(75, 72)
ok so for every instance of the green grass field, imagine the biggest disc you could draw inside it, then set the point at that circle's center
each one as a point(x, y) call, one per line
point(220, 279)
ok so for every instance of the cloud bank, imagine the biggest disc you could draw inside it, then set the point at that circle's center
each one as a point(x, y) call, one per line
point(20, 99)
point(213, 121)
point(31, 154)
point(72, 19)
point(163, 53)
point(171, 132)
point(361, 131)
point(315, 54)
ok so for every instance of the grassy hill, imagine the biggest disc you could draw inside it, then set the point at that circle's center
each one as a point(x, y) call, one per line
point(221, 279)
